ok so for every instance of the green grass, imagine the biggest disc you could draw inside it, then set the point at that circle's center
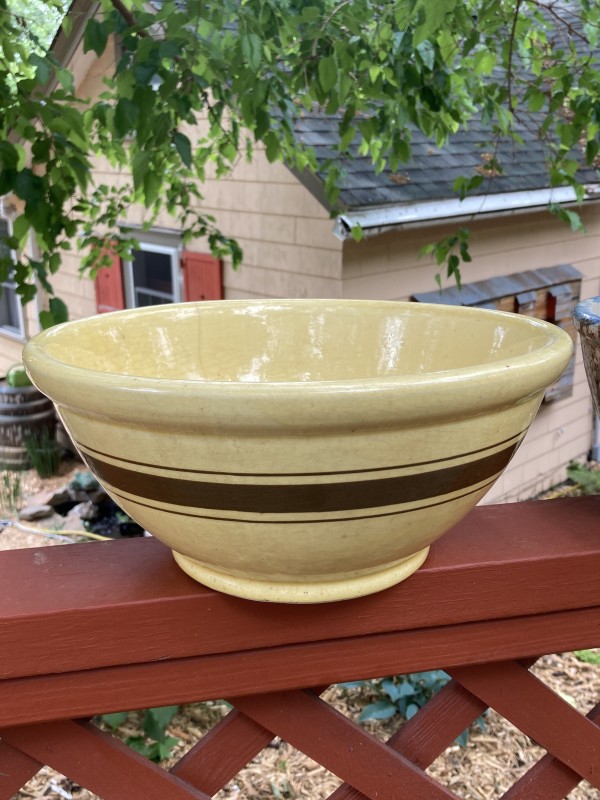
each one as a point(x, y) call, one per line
point(589, 656)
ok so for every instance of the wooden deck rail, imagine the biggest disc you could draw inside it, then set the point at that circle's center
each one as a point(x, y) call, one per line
point(90, 629)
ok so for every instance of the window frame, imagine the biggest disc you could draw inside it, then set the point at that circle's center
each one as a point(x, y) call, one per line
point(151, 247)
point(9, 285)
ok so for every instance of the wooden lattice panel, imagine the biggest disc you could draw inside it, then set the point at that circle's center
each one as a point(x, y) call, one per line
point(370, 769)
point(508, 584)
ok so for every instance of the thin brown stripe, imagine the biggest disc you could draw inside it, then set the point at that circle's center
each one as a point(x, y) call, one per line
point(100, 453)
point(308, 521)
point(302, 498)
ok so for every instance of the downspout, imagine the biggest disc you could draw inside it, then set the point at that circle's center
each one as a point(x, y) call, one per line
point(595, 451)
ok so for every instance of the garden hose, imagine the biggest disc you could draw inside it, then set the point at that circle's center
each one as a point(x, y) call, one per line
point(62, 536)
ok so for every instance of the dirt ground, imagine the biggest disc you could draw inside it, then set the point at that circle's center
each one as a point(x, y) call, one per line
point(490, 762)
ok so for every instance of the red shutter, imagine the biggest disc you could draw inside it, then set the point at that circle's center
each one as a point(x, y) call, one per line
point(109, 288)
point(202, 276)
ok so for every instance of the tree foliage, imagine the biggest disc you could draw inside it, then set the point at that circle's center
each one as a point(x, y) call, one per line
point(250, 67)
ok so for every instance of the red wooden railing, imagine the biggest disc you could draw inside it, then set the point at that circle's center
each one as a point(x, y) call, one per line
point(90, 629)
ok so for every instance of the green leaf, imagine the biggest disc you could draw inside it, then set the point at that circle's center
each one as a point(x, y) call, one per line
point(484, 62)
point(588, 656)
point(328, 73)
point(29, 187)
point(183, 147)
point(156, 721)
point(43, 68)
point(382, 709)
point(54, 263)
point(9, 155)
point(164, 748)
point(571, 217)
point(95, 37)
point(427, 53)
point(115, 720)
point(21, 228)
point(357, 233)
point(431, 17)
point(140, 163)
point(152, 185)
point(536, 100)
point(57, 314)
point(252, 50)
point(273, 148)
point(126, 116)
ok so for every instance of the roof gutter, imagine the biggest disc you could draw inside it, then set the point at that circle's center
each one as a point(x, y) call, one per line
point(374, 221)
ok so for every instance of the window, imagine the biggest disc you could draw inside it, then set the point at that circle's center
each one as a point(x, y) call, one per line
point(11, 311)
point(158, 273)
point(152, 276)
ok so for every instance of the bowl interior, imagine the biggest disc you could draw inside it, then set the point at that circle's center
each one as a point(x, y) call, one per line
point(293, 341)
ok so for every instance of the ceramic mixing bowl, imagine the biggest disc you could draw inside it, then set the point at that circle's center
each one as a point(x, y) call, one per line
point(298, 450)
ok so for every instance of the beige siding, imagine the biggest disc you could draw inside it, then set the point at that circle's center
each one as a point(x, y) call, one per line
point(10, 353)
point(285, 234)
point(290, 251)
point(388, 267)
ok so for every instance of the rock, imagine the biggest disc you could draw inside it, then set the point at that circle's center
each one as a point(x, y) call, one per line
point(86, 510)
point(78, 495)
point(97, 496)
point(50, 497)
point(72, 522)
point(32, 512)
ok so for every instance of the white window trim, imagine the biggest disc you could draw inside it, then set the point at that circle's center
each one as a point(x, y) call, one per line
point(150, 247)
point(11, 333)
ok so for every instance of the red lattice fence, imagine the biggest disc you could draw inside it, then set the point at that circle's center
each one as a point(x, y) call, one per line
point(90, 629)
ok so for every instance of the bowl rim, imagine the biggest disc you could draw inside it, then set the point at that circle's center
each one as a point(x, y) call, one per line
point(586, 314)
point(277, 403)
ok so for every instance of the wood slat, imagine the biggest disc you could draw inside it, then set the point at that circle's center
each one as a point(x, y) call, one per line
point(317, 729)
point(89, 692)
point(434, 728)
point(16, 768)
point(501, 561)
point(535, 709)
point(98, 762)
point(224, 751)
point(549, 779)
point(422, 738)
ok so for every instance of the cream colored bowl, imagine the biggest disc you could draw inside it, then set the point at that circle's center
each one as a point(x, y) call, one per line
point(298, 450)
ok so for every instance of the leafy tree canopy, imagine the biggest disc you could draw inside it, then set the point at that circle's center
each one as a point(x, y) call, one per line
point(250, 67)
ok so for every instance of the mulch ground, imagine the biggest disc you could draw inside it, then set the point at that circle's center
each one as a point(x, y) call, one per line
point(494, 757)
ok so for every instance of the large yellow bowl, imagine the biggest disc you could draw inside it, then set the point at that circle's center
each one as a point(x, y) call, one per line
point(298, 450)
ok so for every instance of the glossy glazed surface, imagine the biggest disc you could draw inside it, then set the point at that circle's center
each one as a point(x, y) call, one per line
point(287, 343)
point(299, 451)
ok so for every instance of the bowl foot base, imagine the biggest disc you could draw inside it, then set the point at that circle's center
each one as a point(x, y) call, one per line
point(325, 591)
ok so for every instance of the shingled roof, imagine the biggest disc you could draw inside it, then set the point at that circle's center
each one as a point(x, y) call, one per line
point(422, 191)
point(431, 172)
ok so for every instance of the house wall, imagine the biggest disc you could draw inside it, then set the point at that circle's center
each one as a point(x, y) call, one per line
point(290, 251)
point(388, 267)
point(285, 234)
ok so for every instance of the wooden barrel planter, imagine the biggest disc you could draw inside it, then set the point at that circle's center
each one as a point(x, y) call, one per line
point(24, 413)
